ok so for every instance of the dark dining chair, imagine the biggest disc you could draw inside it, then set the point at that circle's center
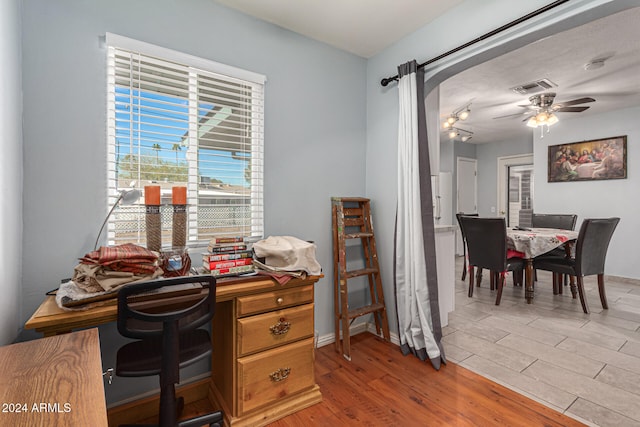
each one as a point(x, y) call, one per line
point(168, 338)
point(590, 255)
point(563, 222)
point(464, 243)
point(487, 247)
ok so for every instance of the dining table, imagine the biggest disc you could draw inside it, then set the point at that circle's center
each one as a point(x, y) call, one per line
point(531, 242)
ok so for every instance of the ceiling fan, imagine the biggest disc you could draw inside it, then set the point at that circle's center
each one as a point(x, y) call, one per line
point(542, 109)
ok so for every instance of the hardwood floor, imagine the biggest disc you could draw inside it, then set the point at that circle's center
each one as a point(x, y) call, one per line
point(381, 387)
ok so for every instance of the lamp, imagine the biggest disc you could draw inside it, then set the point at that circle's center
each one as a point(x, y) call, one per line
point(461, 113)
point(455, 132)
point(126, 197)
point(541, 119)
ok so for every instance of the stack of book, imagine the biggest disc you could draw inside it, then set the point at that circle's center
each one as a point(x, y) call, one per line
point(228, 256)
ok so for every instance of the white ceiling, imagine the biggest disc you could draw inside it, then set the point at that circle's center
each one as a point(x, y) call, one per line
point(362, 27)
point(365, 27)
point(561, 59)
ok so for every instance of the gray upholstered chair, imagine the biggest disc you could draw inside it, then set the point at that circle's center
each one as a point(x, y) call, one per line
point(590, 255)
point(464, 244)
point(487, 246)
point(563, 222)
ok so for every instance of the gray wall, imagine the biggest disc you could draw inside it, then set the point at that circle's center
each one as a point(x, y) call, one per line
point(487, 155)
point(327, 117)
point(314, 129)
point(597, 199)
point(10, 170)
point(472, 19)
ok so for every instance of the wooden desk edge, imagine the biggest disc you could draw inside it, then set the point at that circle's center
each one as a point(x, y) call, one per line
point(50, 319)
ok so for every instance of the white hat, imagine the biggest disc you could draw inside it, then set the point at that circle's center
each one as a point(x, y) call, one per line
point(288, 254)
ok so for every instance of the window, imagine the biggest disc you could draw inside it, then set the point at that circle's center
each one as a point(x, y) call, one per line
point(178, 120)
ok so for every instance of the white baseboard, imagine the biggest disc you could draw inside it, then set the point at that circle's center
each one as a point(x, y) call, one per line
point(355, 330)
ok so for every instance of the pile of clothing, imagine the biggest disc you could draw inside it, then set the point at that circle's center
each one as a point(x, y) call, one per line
point(286, 257)
point(113, 266)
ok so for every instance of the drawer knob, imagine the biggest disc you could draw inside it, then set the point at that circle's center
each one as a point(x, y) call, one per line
point(280, 328)
point(280, 374)
point(280, 300)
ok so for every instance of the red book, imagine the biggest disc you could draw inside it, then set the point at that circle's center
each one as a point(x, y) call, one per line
point(232, 239)
point(228, 256)
point(218, 265)
point(226, 249)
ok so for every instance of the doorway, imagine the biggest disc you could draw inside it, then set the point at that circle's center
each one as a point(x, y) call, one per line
point(515, 189)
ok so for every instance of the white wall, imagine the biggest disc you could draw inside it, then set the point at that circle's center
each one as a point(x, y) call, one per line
point(10, 169)
point(597, 199)
point(314, 129)
point(472, 19)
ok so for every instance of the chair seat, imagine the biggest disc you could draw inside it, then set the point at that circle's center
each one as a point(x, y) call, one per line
point(557, 264)
point(555, 252)
point(515, 263)
point(144, 357)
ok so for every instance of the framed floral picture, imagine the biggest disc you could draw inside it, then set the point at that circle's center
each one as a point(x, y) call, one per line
point(588, 160)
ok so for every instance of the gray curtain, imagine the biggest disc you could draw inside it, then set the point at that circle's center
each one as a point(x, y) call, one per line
point(416, 280)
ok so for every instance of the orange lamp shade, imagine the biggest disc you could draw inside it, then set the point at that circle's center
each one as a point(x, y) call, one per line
point(179, 195)
point(152, 195)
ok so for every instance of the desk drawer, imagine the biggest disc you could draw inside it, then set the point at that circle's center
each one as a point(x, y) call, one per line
point(274, 374)
point(275, 328)
point(268, 301)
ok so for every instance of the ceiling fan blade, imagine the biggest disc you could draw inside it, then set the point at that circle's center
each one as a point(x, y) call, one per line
point(571, 109)
point(511, 115)
point(575, 101)
point(526, 119)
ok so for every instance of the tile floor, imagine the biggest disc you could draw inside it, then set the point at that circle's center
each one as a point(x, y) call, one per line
point(584, 365)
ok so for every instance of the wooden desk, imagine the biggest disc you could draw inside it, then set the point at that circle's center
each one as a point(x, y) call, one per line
point(257, 375)
point(53, 381)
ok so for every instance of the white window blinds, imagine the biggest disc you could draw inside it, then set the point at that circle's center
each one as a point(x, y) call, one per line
point(179, 120)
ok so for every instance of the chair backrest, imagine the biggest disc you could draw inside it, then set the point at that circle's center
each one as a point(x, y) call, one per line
point(593, 242)
point(458, 215)
point(486, 241)
point(561, 221)
point(139, 317)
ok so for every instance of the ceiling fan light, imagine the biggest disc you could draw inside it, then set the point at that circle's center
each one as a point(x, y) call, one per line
point(542, 117)
point(552, 119)
point(532, 123)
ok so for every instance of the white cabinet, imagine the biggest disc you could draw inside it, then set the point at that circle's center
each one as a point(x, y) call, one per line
point(445, 265)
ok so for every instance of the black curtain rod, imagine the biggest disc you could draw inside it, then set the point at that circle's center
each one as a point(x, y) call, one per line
point(386, 81)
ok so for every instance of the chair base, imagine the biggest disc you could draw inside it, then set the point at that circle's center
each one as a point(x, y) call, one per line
point(214, 419)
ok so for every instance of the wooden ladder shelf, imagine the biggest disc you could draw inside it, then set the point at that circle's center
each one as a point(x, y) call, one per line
point(351, 217)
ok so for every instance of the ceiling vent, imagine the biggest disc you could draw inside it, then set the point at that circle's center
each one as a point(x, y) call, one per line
point(533, 87)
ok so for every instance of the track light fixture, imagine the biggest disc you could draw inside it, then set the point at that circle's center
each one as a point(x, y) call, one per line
point(461, 113)
point(463, 134)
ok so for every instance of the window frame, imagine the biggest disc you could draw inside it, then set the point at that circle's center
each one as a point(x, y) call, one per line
point(198, 68)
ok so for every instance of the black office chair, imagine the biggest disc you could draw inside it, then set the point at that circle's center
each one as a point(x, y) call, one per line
point(464, 243)
point(591, 252)
point(168, 338)
point(487, 245)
